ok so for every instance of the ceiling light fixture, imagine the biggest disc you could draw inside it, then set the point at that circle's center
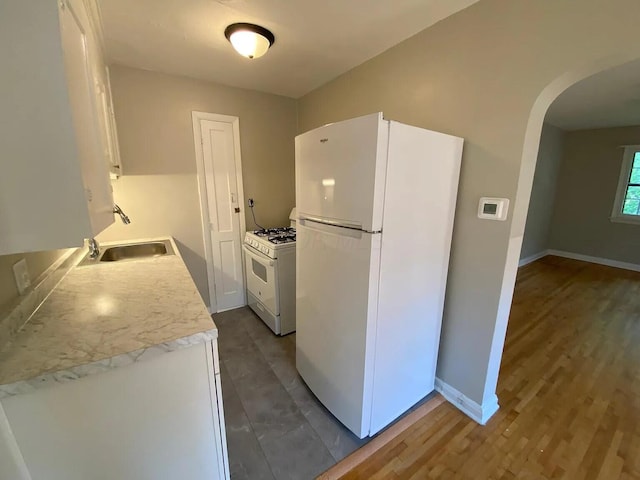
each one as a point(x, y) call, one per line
point(249, 40)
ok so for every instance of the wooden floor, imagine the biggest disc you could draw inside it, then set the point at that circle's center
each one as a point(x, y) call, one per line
point(569, 389)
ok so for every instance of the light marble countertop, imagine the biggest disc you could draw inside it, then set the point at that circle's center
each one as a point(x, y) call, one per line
point(105, 316)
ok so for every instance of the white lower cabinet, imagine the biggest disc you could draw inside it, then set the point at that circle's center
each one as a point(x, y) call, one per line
point(160, 418)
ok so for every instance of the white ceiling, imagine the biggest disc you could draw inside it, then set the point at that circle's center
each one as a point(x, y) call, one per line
point(316, 41)
point(607, 99)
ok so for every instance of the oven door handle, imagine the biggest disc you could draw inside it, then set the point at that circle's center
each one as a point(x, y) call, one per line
point(261, 257)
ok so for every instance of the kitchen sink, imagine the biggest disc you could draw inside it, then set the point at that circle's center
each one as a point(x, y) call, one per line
point(132, 251)
point(137, 250)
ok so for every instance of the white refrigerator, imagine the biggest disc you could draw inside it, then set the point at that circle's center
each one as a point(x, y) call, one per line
point(376, 202)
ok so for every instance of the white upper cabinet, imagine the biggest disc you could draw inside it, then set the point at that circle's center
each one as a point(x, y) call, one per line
point(57, 136)
point(112, 150)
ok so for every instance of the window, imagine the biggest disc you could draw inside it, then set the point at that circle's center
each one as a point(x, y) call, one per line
point(626, 208)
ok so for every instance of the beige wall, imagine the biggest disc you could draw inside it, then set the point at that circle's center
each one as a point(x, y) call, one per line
point(543, 193)
point(37, 263)
point(159, 189)
point(487, 74)
point(586, 191)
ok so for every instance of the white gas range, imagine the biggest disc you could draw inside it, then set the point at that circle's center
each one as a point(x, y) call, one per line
point(270, 262)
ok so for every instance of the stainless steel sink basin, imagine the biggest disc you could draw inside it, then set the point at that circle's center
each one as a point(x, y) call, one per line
point(132, 251)
point(137, 250)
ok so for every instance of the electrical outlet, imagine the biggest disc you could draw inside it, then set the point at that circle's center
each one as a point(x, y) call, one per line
point(21, 274)
point(251, 202)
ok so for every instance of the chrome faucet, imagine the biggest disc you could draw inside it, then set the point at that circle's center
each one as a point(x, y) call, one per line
point(123, 216)
point(94, 248)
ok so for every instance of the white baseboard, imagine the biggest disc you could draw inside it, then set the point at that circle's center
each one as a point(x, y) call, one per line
point(475, 411)
point(600, 261)
point(532, 258)
point(584, 258)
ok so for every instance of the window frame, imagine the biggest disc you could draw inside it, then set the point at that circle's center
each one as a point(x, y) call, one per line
point(623, 182)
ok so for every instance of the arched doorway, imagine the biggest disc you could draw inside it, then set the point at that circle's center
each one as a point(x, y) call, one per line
point(523, 195)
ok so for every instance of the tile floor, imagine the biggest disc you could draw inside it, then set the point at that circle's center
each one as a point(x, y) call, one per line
point(276, 428)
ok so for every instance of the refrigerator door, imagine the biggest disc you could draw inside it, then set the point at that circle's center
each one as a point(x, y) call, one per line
point(336, 291)
point(340, 172)
point(423, 172)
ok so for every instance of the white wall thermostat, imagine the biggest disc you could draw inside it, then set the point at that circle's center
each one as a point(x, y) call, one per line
point(493, 208)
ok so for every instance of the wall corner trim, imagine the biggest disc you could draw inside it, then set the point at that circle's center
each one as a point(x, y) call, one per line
point(479, 413)
point(532, 258)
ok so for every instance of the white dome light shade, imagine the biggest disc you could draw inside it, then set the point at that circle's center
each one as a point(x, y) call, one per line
point(251, 41)
point(249, 44)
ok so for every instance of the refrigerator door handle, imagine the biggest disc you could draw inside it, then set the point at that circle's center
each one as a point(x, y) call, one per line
point(333, 223)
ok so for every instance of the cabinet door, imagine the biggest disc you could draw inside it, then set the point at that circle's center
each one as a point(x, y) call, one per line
point(83, 100)
point(156, 419)
point(42, 200)
point(112, 149)
point(104, 105)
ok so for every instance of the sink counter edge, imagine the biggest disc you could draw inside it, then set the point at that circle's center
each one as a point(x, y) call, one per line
point(102, 317)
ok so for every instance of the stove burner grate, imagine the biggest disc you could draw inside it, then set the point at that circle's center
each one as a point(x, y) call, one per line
point(275, 232)
point(282, 238)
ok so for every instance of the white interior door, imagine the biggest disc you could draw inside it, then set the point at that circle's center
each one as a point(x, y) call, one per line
point(221, 196)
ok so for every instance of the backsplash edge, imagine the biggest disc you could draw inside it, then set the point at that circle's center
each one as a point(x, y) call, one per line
point(13, 318)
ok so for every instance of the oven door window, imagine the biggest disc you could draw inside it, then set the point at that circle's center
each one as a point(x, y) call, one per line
point(259, 270)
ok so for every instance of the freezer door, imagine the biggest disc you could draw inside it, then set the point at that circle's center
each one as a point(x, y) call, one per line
point(340, 172)
point(336, 290)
